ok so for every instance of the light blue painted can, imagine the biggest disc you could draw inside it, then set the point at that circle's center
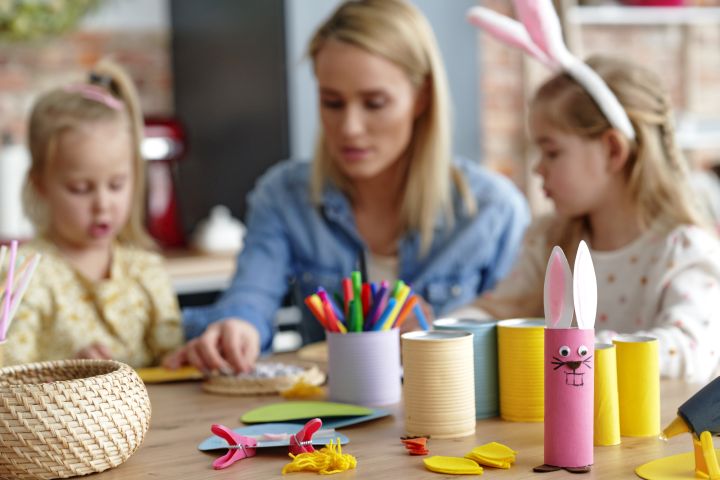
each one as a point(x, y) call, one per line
point(486, 360)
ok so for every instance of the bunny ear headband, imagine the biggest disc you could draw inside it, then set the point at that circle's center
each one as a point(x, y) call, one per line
point(562, 290)
point(540, 36)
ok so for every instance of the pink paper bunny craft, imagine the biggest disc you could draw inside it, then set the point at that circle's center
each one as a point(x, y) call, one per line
point(569, 351)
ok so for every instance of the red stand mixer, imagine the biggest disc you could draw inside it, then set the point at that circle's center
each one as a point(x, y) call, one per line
point(163, 146)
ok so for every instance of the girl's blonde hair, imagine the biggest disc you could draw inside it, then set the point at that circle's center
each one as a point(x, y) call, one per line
point(656, 172)
point(398, 32)
point(68, 109)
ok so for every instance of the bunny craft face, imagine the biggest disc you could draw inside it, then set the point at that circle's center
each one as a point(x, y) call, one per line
point(569, 351)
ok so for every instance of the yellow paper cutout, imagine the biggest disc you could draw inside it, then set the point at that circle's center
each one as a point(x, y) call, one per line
point(493, 455)
point(452, 465)
point(326, 461)
point(162, 374)
point(675, 467)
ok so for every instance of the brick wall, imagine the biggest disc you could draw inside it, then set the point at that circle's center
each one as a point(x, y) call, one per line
point(687, 56)
point(30, 68)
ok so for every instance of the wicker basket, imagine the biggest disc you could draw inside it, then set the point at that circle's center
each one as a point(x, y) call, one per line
point(72, 417)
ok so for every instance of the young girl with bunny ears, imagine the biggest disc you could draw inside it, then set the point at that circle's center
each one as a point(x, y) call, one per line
point(98, 291)
point(610, 164)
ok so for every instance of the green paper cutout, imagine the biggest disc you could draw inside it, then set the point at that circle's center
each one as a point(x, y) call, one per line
point(287, 411)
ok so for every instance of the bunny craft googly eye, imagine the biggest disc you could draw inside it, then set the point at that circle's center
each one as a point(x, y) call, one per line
point(539, 34)
point(569, 351)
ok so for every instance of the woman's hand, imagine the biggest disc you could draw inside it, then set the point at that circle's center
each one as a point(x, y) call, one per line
point(228, 345)
point(95, 351)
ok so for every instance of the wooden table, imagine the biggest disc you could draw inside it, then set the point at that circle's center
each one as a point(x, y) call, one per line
point(183, 413)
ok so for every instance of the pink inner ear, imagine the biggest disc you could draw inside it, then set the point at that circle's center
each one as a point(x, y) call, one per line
point(557, 289)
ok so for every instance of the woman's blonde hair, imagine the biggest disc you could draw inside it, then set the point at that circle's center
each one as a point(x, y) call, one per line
point(398, 32)
point(656, 172)
point(69, 109)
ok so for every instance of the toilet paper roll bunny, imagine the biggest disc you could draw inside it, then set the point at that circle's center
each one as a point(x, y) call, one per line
point(569, 351)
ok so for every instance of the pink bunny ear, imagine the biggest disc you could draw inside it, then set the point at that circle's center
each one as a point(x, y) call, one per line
point(558, 291)
point(543, 26)
point(585, 288)
point(507, 31)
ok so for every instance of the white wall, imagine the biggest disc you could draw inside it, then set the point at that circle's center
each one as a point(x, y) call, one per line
point(129, 15)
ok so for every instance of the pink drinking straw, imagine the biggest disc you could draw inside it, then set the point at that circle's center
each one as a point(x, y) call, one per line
point(8, 290)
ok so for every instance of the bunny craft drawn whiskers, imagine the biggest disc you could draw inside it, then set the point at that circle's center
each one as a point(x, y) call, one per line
point(569, 352)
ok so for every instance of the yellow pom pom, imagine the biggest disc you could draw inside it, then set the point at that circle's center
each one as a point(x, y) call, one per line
point(326, 461)
point(304, 390)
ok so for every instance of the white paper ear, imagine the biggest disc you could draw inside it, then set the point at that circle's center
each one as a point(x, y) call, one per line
point(508, 31)
point(543, 26)
point(558, 291)
point(585, 288)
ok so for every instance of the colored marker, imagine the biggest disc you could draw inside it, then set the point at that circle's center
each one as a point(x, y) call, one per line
point(405, 311)
point(347, 289)
point(399, 302)
point(422, 321)
point(385, 315)
point(314, 303)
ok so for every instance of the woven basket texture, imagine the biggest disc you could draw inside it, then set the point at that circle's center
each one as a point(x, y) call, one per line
point(70, 417)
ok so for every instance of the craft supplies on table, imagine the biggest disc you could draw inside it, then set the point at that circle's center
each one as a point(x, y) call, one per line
point(364, 367)
point(333, 415)
point(439, 383)
point(15, 276)
point(164, 375)
point(266, 378)
point(273, 435)
point(485, 355)
point(698, 416)
point(607, 407)
point(70, 417)
point(569, 369)
point(366, 307)
point(520, 369)
point(638, 385)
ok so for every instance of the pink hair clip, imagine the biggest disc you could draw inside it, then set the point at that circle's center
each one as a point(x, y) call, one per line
point(95, 93)
point(301, 442)
point(239, 447)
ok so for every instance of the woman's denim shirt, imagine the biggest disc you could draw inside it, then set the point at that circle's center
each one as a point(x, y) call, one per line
point(292, 243)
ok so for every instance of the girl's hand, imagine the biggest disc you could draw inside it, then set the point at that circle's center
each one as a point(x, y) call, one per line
point(228, 345)
point(96, 351)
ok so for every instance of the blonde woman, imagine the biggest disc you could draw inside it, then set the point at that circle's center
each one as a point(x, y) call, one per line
point(383, 182)
point(657, 262)
point(99, 291)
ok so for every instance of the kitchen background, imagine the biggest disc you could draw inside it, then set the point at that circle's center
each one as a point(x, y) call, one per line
point(234, 74)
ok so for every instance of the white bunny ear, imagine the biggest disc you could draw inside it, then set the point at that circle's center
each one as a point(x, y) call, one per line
point(558, 291)
point(543, 26)
point(508, 31)
point(585, 288)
